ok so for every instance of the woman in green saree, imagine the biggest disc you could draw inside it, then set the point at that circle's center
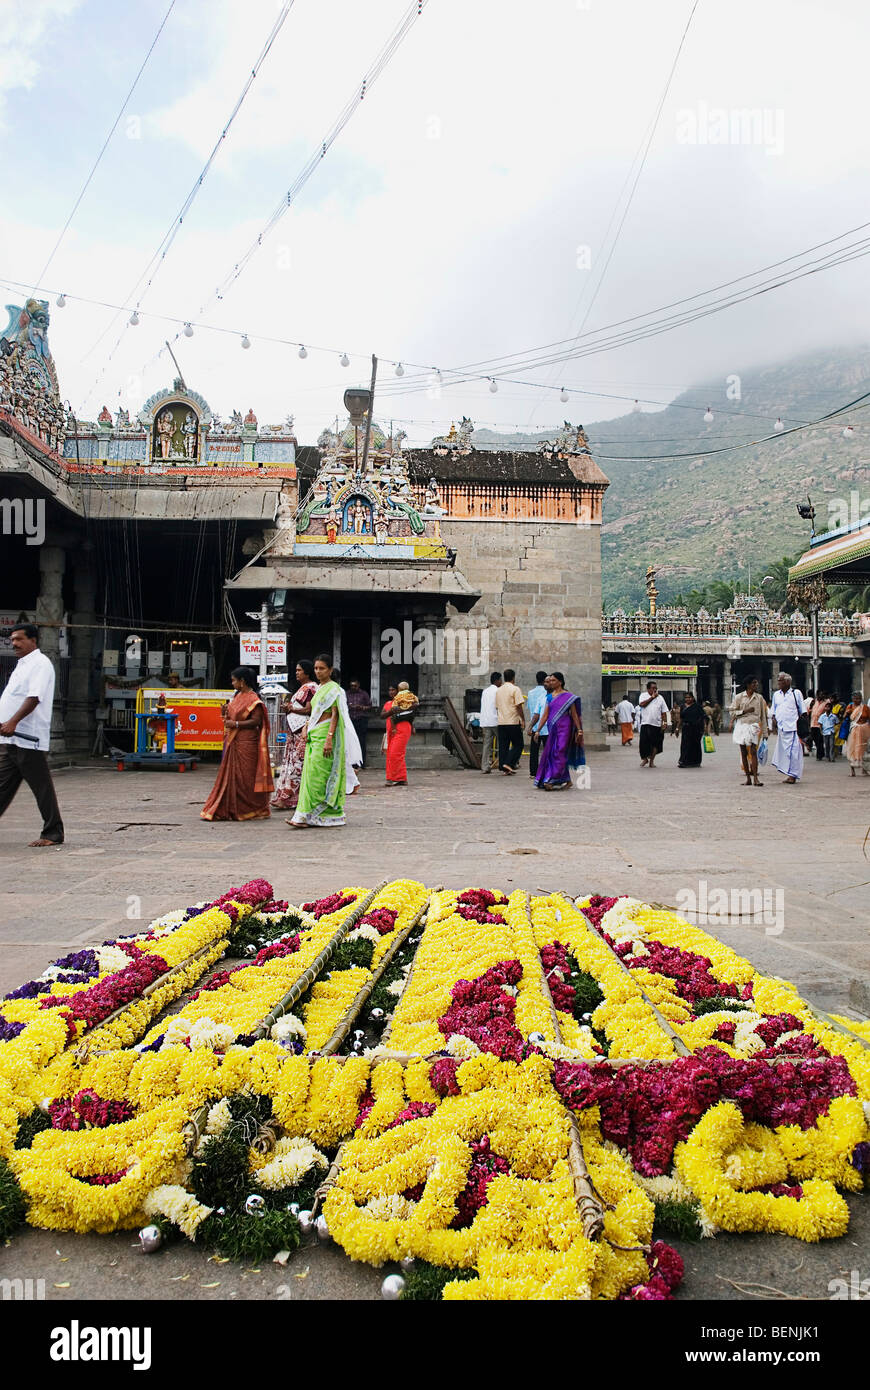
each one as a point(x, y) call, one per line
point(322, 789)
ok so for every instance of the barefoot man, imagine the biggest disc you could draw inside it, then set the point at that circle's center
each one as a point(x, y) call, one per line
point(25, 730)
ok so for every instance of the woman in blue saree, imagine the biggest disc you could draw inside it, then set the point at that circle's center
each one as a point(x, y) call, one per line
point(563, 750)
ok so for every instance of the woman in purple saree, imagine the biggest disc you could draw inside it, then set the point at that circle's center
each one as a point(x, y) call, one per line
point(563, 748)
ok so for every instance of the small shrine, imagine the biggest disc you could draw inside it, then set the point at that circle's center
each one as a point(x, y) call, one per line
point(369, 510)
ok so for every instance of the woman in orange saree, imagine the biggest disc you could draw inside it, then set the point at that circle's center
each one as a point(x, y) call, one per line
point(244, 782)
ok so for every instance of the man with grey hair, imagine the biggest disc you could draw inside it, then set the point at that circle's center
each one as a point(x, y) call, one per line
point(786, 708)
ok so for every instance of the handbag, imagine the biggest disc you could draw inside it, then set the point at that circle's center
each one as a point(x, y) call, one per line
point(762, 752)
point(709, 745)
point(803, 723)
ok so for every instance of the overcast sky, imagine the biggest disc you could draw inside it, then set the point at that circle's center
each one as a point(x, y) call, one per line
point(444, 225)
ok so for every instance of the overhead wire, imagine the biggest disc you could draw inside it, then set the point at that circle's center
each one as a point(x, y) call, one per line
point(646, 149)
point(105, 145)
point(158, 257)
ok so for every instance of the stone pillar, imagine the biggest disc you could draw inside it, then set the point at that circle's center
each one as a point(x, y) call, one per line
point(80, 716)
point(726, 683)
point(808, 676)
point(49, 610)
point(430, 679)
point(775, 668)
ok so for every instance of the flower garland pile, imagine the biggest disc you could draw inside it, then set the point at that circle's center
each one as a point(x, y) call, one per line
point(459, 1139)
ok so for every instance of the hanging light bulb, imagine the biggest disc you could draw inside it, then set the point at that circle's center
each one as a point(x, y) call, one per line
point(848, 432)
point(344, 360)
point(303, 351)
point(493, 385)
point(636, 409)
point(563, 395)
point(708, 416)
point(134, 319)
point(779, 425)
point(188, 330)
point(400, 370)
point(61, 301)
point(246, 342)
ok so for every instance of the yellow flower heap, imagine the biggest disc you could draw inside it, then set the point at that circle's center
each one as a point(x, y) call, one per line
point(398, 1187)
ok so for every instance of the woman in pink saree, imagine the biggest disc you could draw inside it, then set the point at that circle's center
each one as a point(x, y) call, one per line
point(296, 709)
point(563, 750)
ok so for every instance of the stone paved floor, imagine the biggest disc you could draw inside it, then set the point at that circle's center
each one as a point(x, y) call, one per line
point(136, 848)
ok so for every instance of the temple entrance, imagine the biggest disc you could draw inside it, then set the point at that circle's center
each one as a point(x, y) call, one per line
point(354, 651)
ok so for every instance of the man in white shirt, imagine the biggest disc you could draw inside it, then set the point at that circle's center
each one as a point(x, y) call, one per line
point(537, 698)
point(25, 732)
point(489, 723)
point(786, 706)
point(625, 719)
point(654, 715)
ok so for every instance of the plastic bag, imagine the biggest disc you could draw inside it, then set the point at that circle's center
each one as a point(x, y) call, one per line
point(762, 752)
point(709, 745)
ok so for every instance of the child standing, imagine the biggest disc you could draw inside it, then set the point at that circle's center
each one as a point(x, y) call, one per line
point(828, 726)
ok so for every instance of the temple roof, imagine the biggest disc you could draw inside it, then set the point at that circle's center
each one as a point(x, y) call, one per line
point(482, 466)
point(503, 466)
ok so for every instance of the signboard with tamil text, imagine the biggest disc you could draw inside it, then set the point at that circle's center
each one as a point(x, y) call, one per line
point(651, 671)
point(276, 650)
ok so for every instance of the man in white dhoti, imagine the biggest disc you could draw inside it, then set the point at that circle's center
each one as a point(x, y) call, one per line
point(786, 706)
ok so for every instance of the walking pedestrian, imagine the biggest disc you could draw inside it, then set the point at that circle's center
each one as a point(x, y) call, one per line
point(691, 732)
point(243, 785)
point(858, 715)
point(537, 699)
point(828, 726)
point(489, 723)
point(324, 771)
point(786, 709)
point(564, 750)
point(296, 709)
point(816, 710)
point(509, 701)
point(25, 732)
point(749, 713)
point(400, 727)
point(654, 717)
point(625, 719)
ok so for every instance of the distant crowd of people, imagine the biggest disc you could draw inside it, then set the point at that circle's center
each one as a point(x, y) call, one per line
point(819, 722)
point(327, 729)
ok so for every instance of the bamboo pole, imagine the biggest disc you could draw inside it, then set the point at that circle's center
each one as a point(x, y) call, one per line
point(839, 1027)
point(589, 1204)
point(307, 978)
point(337, 1037)
point(192, 1131)
point(330, 1180)
point(679, 1046)
point(82, 1048)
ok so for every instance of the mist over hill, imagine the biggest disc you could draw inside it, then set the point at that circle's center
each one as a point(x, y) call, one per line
point(709, 515)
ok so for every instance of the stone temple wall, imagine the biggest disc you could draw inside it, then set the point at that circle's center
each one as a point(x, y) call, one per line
point(540, 588)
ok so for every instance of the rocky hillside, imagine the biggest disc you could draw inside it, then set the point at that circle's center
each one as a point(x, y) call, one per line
point(699, 518)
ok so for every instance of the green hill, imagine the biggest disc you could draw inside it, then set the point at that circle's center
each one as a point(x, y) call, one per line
point(700, 518)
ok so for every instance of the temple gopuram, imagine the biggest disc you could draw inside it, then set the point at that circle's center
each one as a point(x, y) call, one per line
point(161, 531)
